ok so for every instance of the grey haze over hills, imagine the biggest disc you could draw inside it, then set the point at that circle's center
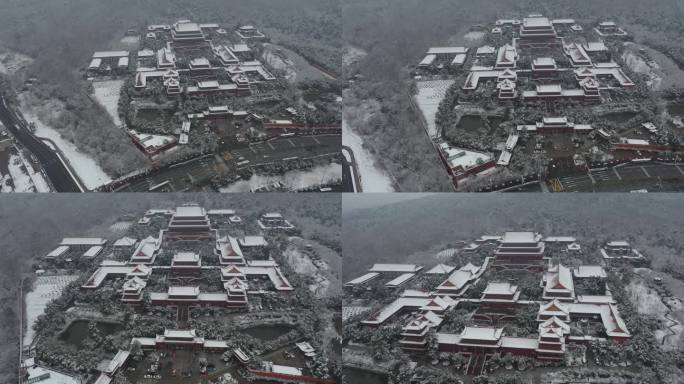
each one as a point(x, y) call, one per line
point(352, 203)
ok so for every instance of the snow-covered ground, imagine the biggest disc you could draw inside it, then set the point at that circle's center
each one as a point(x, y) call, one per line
point(296, 180)
point(45, 289)
point(302, 264)
point(447, 253)
point(120, 227)
point(349, 312)
point(85, 166)
point(352, 55)
point(430, 94)
point(307, 257)
point(474, 36)
point(20, 178)
point(296, 67)
point(132, 42)
point(107, 94)
point(23, 176)
point(649, 302)
point(11, 62)
point(373, 179)
point(280, 63)
point(637, 64)
point(662, 71)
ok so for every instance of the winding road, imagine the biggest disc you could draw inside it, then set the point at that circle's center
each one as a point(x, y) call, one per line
point(57, 172)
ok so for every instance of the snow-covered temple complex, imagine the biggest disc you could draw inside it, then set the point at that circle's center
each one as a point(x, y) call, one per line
point(531, 35)
point(240, 276)
point(492, 289)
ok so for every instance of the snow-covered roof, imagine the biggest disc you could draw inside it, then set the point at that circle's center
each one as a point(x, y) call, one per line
point(504, 158)
point(536, 22)
point(595, 299)
point(272, 215)
point(447, 50)
point(189, 211)
point(215, 344)
point(404, 268)
point(134, 284)
point(610, 317)
point(59, 251)
point(553, 307)
point(597, 46)
point(470, 267)
point(559, 279)
point(486, 50)
point(363, 279)
point(146, 250)
point(34, 373)
point(186, 257)
point(519, 237)
point(145, 53)
point(394, 307)
point(227, 212)
point(184, 291)
point(428, 60)
point(105, 270)
point(109, 54)
point(71, 241)
point(456, 281)
point(253, 241)
point(459, 59)
point(286, 370)
point(117, 362)
point(544, 61)
point(271, 270)
point(519, 342)
point(549, 88)
point(477, 333)
point(415, 293)
point(125, 242)
point(186, 27)
point(440, 269)
point(459, 157)
point(93, 251)
point(439, 303)
point(95, 63)
point(399, 280)
point(590, 271)
point(200, 62)
point(500, 289)
point(180, 333)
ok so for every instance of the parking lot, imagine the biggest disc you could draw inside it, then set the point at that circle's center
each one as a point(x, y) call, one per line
point(650, 177)
point(196, 174)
